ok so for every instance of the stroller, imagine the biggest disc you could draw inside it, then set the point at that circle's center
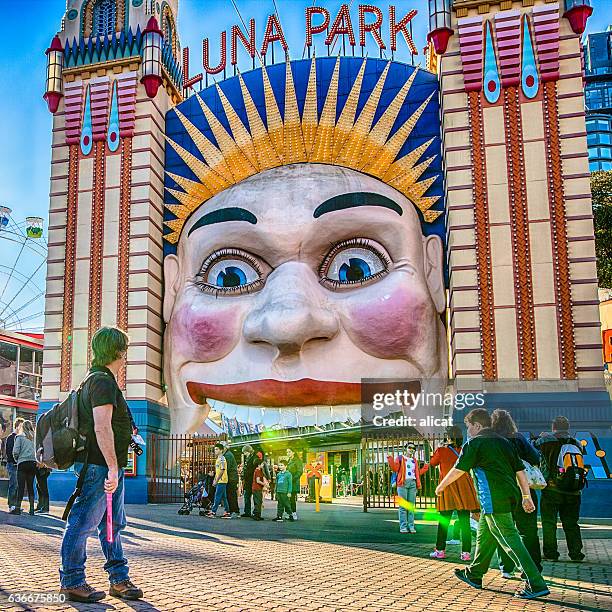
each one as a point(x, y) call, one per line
point(197, 497)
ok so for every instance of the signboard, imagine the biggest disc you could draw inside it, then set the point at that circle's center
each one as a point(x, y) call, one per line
point(365, 23)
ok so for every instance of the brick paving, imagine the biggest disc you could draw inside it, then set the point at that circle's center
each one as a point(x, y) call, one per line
point(338, 560)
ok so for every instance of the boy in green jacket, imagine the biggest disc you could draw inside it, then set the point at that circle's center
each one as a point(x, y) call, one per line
point(283, 490)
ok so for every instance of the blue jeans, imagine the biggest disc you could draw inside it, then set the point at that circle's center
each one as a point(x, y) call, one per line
point(87, 515)
point(407, 493)
point(220, 496)
point(12, 484)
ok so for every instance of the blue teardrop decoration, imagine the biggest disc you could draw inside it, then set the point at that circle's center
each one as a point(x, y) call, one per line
point(491, 84)
point(86, 132)
point(530, 81)
point(112, 139)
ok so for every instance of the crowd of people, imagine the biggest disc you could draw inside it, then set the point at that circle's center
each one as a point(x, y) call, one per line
point(24, 471)
point(258, 475)
point(493, 478)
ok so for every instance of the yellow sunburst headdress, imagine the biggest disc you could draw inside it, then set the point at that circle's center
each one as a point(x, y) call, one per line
point(344, 140)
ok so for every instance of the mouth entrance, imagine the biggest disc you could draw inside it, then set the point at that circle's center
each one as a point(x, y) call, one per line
point(271, 393)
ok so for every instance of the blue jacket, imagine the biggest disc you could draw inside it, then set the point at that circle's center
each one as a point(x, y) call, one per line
point(283, 482)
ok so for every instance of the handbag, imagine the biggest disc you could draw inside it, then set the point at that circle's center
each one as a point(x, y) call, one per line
point(535, 478)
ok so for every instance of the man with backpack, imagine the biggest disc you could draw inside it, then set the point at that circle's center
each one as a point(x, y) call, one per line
point(563, 468)
point(105, 419)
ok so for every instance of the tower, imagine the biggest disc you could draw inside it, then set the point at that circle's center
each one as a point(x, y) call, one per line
point(521, 248)
point(113, 72)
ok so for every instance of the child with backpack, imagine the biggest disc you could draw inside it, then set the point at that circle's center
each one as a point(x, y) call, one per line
point(565, 473)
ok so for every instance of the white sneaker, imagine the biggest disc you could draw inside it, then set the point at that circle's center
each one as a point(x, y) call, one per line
point(453, 542)
point(404, 530)
point(411, 530)
point(11, 508)
point(294, 515)
point(507, 575)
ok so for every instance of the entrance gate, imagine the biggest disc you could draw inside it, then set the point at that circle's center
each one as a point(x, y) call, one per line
point(176, 463)
point(379, 490)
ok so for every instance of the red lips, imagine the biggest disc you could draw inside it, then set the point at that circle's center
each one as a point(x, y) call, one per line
point(276, 393)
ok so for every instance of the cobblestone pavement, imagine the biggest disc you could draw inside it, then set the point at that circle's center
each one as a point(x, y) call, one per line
point(338, 560)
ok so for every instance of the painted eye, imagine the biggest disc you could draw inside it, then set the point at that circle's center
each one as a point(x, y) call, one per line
point(230, 271)
point(353, 262)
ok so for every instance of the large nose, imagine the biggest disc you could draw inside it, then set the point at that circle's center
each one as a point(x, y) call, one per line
point(291, 311)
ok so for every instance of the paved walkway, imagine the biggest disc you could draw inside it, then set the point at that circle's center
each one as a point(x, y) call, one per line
point(338, 560)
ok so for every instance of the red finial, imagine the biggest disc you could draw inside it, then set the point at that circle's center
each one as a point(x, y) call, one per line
point(152, 26)
point(56, 45)
point(439, 38)
point(577, 16)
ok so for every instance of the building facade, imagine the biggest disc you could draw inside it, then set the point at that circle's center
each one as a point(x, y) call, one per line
point(598, 98)
point(275, 239)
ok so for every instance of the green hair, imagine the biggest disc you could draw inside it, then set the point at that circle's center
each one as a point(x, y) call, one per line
point(107, 345)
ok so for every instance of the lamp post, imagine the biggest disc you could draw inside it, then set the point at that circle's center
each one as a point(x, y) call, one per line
point(55, 67)
point(440, 29)
point(577, 12)
point(151, 58)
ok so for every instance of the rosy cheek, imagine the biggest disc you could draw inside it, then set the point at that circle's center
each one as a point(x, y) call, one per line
point(205, 333)
point(392, 325)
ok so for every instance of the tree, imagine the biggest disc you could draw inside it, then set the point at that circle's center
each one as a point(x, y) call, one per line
point(601, 188)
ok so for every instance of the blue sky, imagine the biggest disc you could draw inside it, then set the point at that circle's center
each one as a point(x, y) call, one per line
point(25, 123)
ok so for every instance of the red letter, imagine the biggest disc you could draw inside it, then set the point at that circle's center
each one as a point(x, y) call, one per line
point(270, 36)
point(342, 25)
point(223, 56)
point(310, 29)
point(187, 81)
point(249, 45)
point(401, 27)
point(370, 27)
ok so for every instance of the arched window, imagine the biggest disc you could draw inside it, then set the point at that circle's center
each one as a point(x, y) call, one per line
point(104, 17)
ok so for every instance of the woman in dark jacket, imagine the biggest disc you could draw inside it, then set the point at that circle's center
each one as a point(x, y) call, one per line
point(526, 522)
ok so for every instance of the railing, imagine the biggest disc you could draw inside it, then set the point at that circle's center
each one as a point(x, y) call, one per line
point(176, 463)
point(378, 489)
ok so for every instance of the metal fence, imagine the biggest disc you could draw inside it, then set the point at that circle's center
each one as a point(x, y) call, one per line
point(379, 490)
point(176, 463)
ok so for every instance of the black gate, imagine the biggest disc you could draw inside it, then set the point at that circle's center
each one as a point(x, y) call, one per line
point(379, 490)
point(176, 463)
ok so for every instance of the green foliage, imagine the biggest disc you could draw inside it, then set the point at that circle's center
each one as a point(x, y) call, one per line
point(601, 188)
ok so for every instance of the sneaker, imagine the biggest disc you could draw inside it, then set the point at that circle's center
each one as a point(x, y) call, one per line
point(411, 530)
point(294, 515)
point(211, 515)
point(438, 554)
point(403, 530)
point(125, 589)
point(464, 576)
point(507, 575)
point(578, 558)
point(453, 542)
point(235, 515)
point(246, 515)
point(11, 508)
point(291, 519)
point(226, 515)
point(83, 593)
point(278, 519)
point(527, 593)
point(465, 556)
point(15, 511)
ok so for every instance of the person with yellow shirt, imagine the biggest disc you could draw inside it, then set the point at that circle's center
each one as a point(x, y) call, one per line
point(220, 483)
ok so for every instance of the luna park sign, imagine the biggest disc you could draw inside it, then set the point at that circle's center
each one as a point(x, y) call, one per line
point(319, 23)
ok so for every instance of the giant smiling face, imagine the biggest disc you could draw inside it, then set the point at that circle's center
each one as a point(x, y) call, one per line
point(290, 287)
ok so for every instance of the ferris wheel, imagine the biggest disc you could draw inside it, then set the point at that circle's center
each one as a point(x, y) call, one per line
point(23, 258)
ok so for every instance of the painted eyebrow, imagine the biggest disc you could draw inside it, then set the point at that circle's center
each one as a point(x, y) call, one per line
point(224, 214)
point(352, 200)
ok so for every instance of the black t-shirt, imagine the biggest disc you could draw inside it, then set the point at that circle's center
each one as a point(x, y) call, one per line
point(100, 390)
point(494, 463)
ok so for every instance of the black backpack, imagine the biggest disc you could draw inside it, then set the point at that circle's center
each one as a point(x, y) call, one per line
point(59, 438)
